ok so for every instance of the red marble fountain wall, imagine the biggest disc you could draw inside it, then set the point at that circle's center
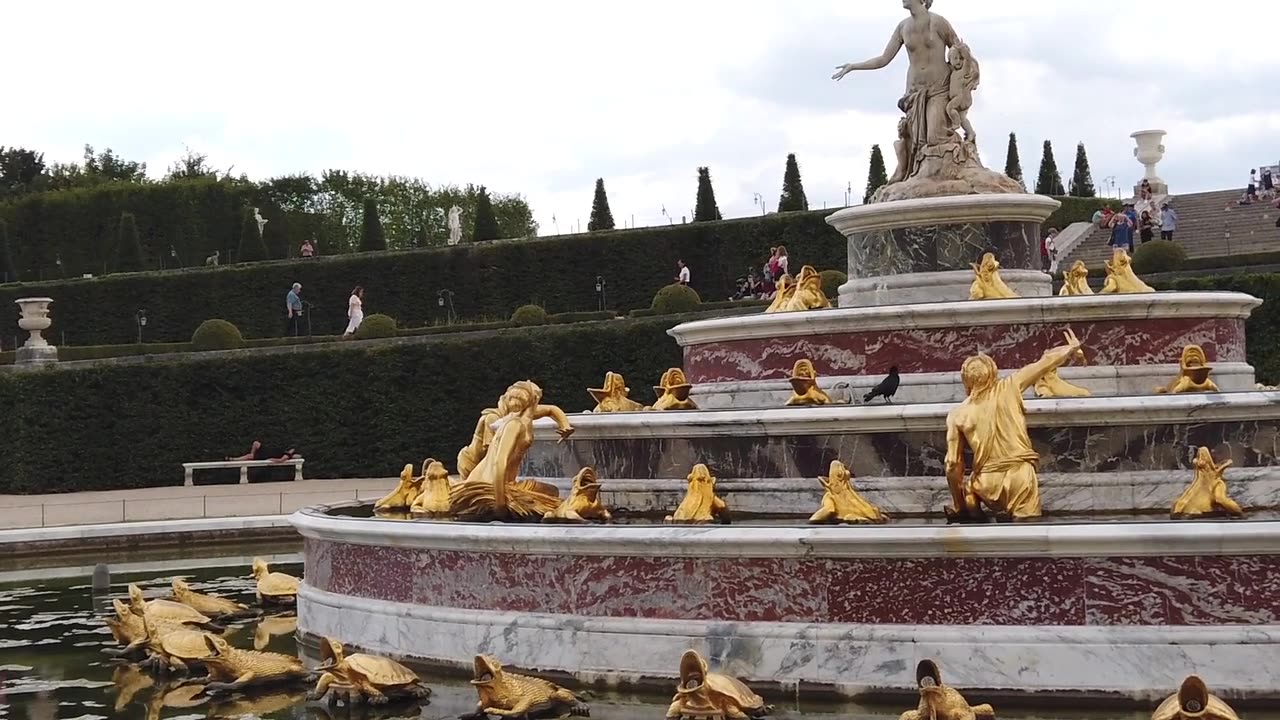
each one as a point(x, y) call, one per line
point(1109, 343)
point(937, 591)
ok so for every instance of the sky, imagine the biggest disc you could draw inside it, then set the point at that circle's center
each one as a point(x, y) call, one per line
point(541, 98)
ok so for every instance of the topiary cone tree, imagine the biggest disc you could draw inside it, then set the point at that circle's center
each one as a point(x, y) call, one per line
point(252, 247)
point(372, 237)
point(129, 246)
point(877, 177)
point(1012, 163)
point(486, 227)
point(706, 209)
point(601, 216)
point(8, 270)
point(1082, 177)
point(1049, 181)
point(793, 198)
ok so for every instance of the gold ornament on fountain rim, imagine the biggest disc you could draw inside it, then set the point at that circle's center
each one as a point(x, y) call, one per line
point(1121, 279)
point(942, 702)
point(992, 422)
point(1193, 373)
point(510, 695)
point(613, 397)
point(841, 502)
point(583, 504)
point(804, 385)
point(1207, 495)
point(784, 291)
point(706, 695)
point(987, 283)
point(673, 391)
point(1193, 701)
point(407, 490)
point(804, 293)
point(700, 503)
point(435, 483)
point(1076, 280)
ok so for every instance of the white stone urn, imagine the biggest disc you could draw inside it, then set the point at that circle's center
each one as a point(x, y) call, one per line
point(35, 320)
point(1149, 152)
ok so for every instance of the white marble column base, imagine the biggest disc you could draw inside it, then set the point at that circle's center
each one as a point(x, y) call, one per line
point(952, 285)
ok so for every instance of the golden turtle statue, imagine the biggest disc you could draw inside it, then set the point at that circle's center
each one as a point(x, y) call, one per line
point(173, 651)
point(504, 694)
point(407, 490)
point(841, 502)
point(368, 678)
point(233, 669)
point(1193, 701)
point(213, 606)
point(700, 503)
point(274, 588)
point(940, 702)
point(434, 498)
point(706, 695)
point(168, 611)
point(583, 504)
point(987, 283)
point(129, 630)
point(673, 392)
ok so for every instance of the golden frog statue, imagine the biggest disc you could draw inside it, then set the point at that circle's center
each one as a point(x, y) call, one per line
point(407, 490)
point(987, 285)
point(1076, 280)
point(583, 504)
point(434, 498)
point(1193, 701)
point(700, 503)
point(232, 669)
point(706, 695)
point(1207, 494)
point(673, 392)
point(492, 492)
point(274, 588)
point(504, 694)
point(1193, 373)
point(613, 397)
point(940, 702)
point(1121, 279)
point(210, 605)
point(804, 385)
point(841, 502)
point(370, 678)
point(807, 294)
point(168, 611)
point(783, 292)
point(1052, 386)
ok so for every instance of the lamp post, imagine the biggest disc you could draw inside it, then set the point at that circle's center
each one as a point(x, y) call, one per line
point(758, 199)
point(601, 290)
point(441, 297)
point(140, 318)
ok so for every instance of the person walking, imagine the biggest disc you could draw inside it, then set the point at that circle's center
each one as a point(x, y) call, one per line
point(682, 277)
point(1168, 221)
point(355, 312)
point(1049, 251)
point(293, 310)
point(1147, 227)
point(307, 250)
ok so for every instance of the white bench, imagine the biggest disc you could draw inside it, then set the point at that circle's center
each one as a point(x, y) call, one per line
point(244, 465)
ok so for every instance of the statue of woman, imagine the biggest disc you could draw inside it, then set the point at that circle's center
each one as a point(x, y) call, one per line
point(455, 225)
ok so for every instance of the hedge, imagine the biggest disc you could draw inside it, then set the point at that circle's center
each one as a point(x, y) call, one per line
point(488, 280)
point(1262, 330)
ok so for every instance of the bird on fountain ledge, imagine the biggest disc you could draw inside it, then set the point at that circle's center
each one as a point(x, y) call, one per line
point(887, 388)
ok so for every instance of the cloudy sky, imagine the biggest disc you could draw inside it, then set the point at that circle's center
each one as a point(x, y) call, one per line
point(543, 97)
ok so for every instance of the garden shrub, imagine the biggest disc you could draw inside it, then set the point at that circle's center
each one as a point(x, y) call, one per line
point(1159, 256)
point(831, 282)
point(675, 299)
point(216, 335)
point(376, 327)
point(527, 315)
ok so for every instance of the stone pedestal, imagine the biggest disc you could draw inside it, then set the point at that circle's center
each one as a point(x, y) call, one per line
point(914, 251)
point(35, 320)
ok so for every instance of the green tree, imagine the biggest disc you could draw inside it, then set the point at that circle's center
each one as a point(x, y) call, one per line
point(1082, 178)
point(21, 171)
point(372, 237)
point(601, 217)
point(706, 209)
point(129, 257)
point(252, 246)
point(877, 177)
point(106, 166)
point(1049, 182)
point(793, 197)
point(486, 227)
point(1012, 163)
point(8, 270)
point(191, 166)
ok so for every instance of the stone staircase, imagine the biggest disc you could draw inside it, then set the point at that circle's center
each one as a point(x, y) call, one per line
point(1206, 228)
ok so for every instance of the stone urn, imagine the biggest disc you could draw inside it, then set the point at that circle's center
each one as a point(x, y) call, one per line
point(35, 320)
point(1149, 152)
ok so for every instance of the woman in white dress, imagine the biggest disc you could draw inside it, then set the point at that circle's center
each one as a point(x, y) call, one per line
point(355, 311)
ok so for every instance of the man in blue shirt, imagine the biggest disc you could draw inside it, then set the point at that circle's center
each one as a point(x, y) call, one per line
point(293, 309)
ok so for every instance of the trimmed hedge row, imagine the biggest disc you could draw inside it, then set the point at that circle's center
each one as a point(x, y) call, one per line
point(487, 280)
point(1263, 327)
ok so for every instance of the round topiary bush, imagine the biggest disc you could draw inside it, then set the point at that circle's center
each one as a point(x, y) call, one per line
point(376, 327)
point(831, 282)
point(529, 315)
point(216, 335)
point(1159, 256)
point(675, 299)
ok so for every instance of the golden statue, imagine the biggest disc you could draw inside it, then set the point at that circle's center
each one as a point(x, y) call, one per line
point(700, 503)
point(804, 383)
point(1193, 701)
point(841, 502)
point(583, 504)
point(232, 669)
point(1193, 373)
point(706, 695)
point(941, 702)
point(168, 611)
point(806, 293)
point(371, 678)
point(491, 491)
point(988, 285)
point(434, 498)
point(992, 422)
point(1076, 280)
point(1052, 386)
point(210, 605)
point(1207, 494)
point(783, 292)
point(407, 490)
point(613, 396)
point(1120, 277)
point(673, 392)
point(274, 588)
point(474, 452)
point(509, 695)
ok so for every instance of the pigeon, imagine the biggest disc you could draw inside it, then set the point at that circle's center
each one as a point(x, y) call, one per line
point(887, 388)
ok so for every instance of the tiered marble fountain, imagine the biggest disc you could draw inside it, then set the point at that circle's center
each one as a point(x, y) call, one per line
point(1102, 595)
